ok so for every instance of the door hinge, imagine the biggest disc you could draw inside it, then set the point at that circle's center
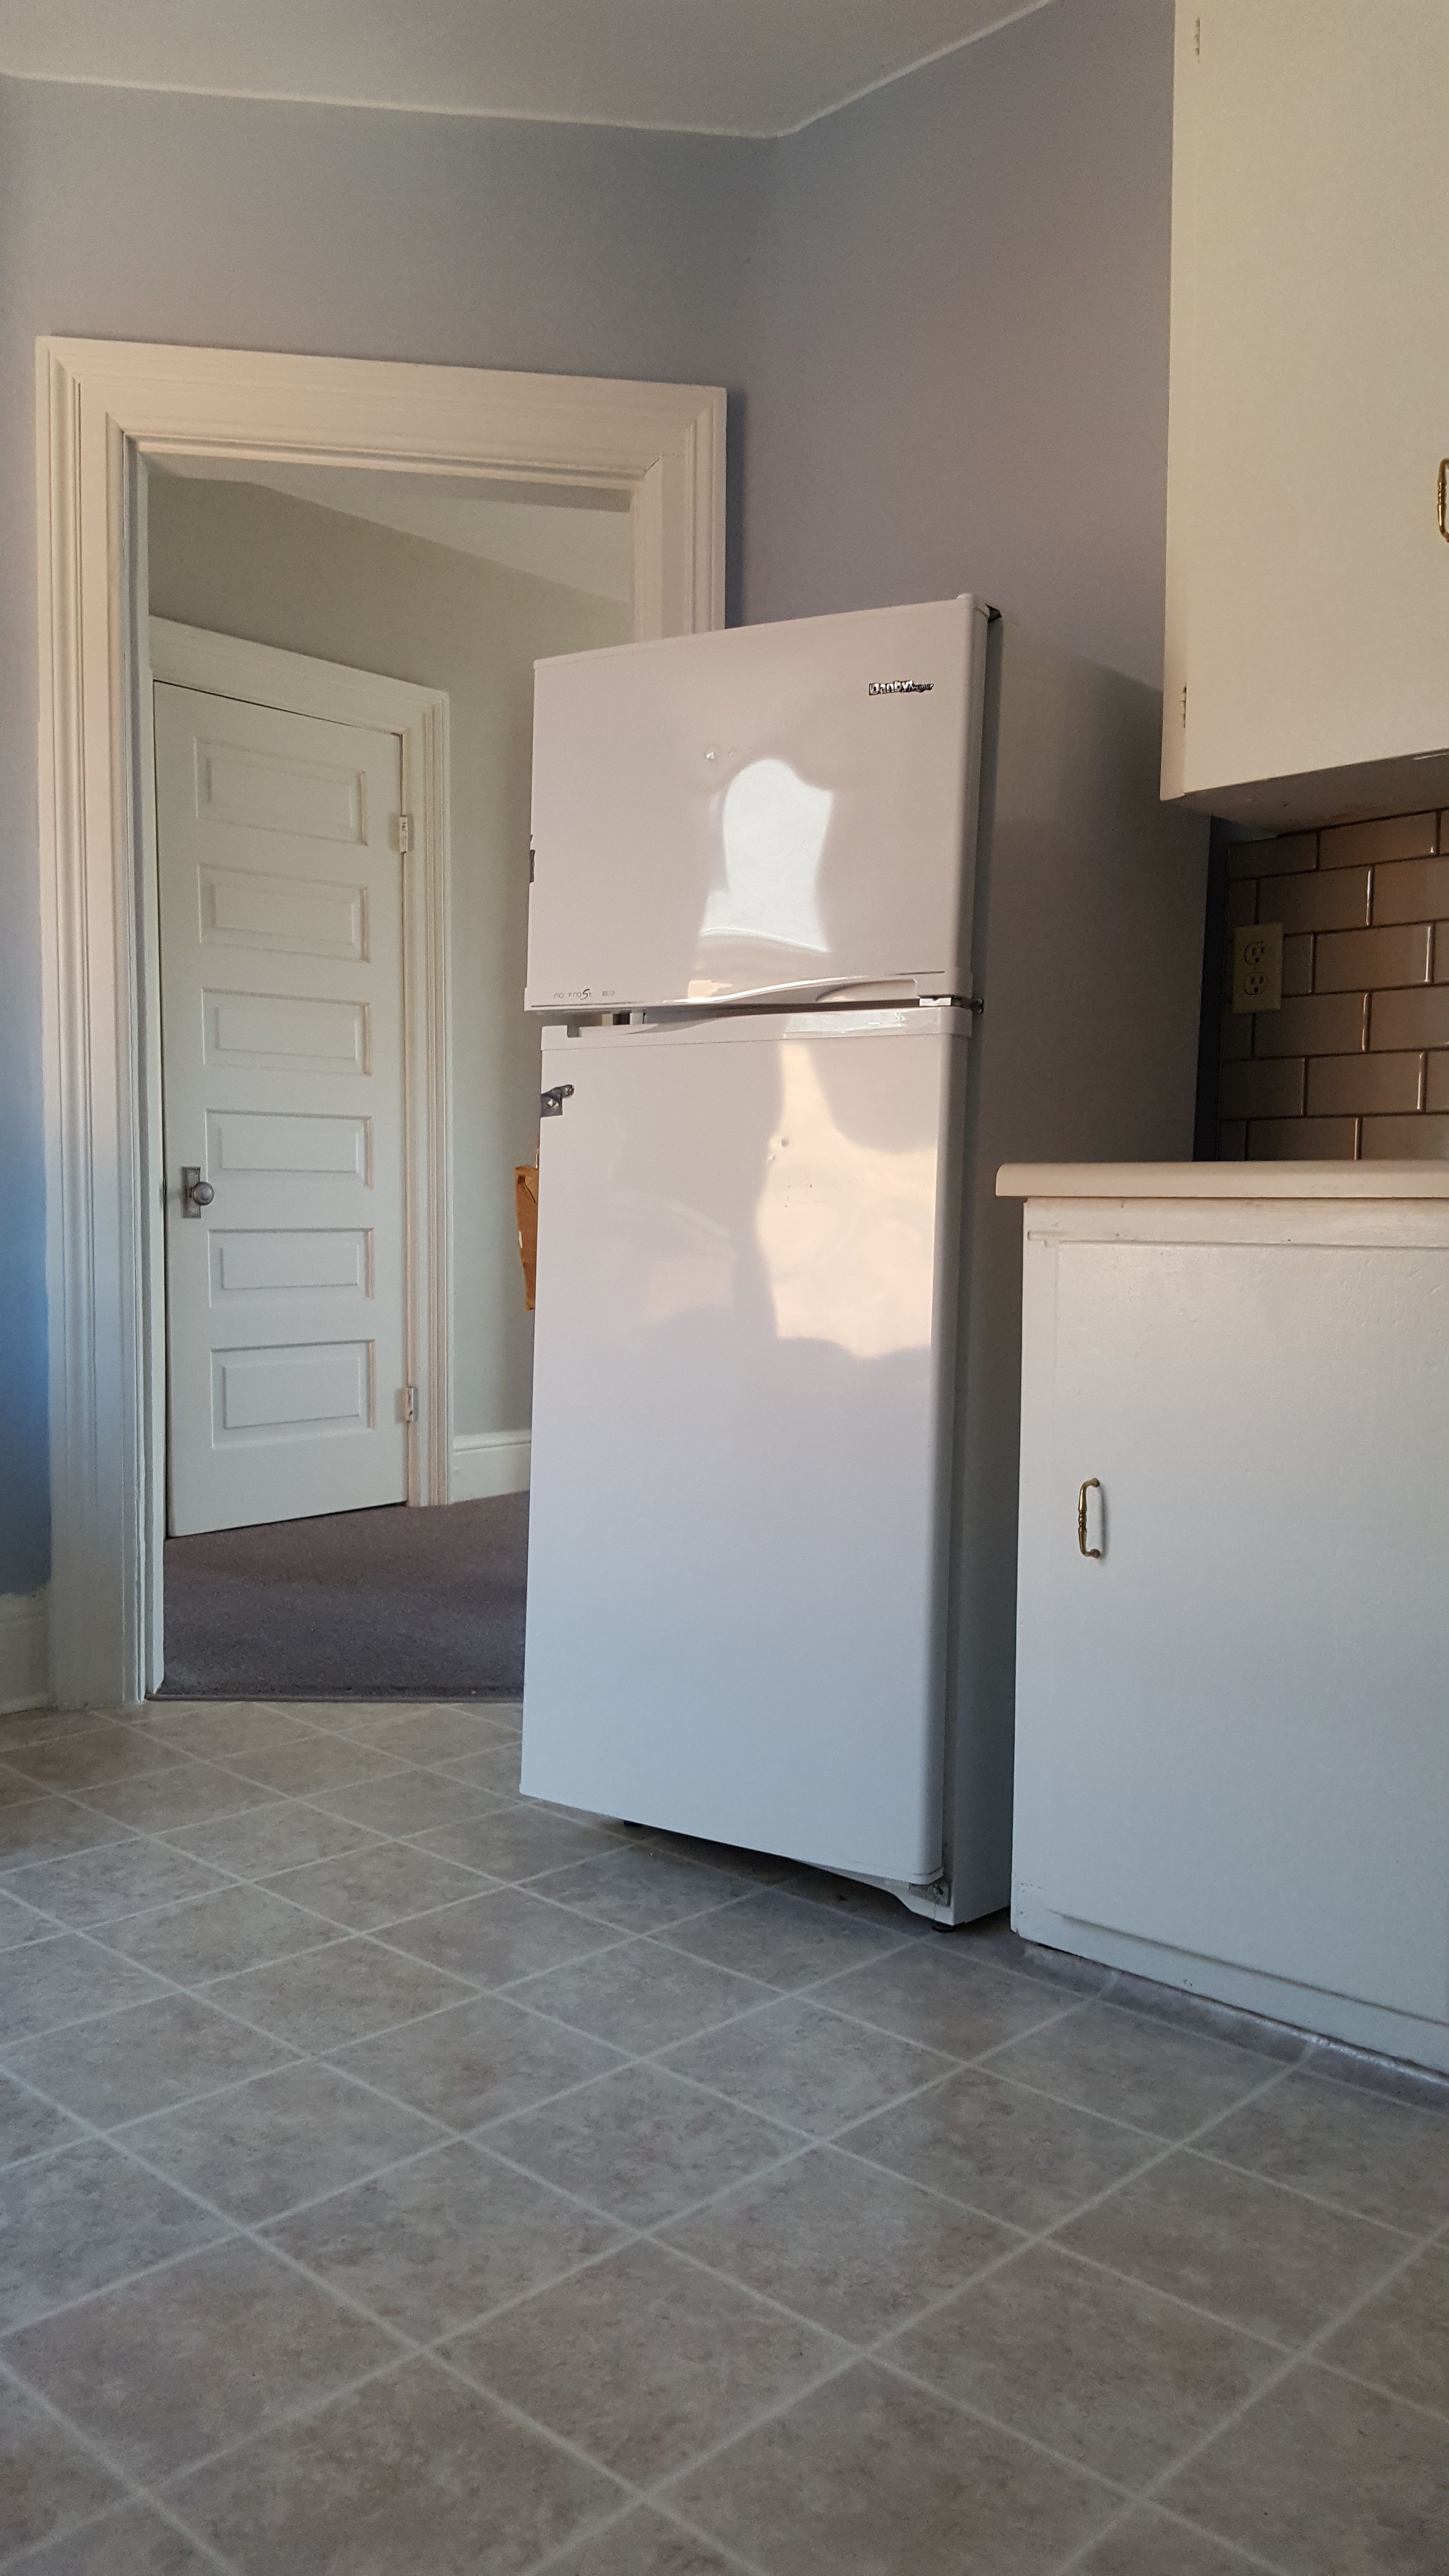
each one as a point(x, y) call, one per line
point(550, 1103)
point(1184, 706)
point(405, 834)
point(408, 1401)
point(531, 857)
point(1197, 38)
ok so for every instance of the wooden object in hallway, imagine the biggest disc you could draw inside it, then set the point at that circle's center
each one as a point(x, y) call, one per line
point(525, 1195)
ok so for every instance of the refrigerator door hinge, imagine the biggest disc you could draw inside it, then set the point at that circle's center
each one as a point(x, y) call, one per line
point(407, 1403)
point(405, 834)
point(550, 1103)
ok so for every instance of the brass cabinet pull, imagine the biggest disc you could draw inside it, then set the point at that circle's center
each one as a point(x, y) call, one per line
point(1444, 496)
point(1093, 1485)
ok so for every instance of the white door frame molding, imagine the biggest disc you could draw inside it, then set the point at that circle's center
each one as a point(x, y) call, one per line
point(104, 407)
point(264, 675)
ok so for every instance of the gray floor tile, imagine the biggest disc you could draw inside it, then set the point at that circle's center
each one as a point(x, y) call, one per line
point(870, 2474)
point(992, 1943)
point(495, 1771)
point(640, 1889)
point(1002, 2149)
point(644, 2544)
point(213, 1935)
point(477, 2061)
point(1248, 2250)
point(1169, 2081)
point(19, 1922)
point(641, 2144)
point(47, 1725)
point(517, 1840)
point(189, 1793)
point(48, 2480)
point(65, 1979)
point(15, 1789)
point(783, 1940)
point(856, 2251)
point(798, 2062)
point(166, 2369)
point(413, 2473)
point(321, 1999)
point(406, 1802)
point(1150, 2544)
point(262, 2147)
point(439, 2241)
point(99, 1753)
point(641, 2361)
point(501, 1935)
point(643, 1996)
point(437, 1734)
point(211, 1733)
point(313, 1762)
point(45, 1828)
point(1100, 2369)
point(1370, 2154)
point(1325, 2479)
point(945, 1999)
point(30, 2127)
point(1401, 2337)
point(382, 1883)
point(72, 2222)
point(143, 2059)
point(127, 1878)
point(134, 2542)
point(278, 1836)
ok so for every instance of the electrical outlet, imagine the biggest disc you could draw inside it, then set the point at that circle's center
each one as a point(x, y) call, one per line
point(1258, 967)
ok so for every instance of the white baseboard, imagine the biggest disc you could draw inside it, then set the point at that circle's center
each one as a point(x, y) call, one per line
point(24, 1650)
point(489, 1462)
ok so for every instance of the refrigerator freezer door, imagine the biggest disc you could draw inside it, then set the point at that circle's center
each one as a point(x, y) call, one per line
point(742, 1435)
point(772, 811)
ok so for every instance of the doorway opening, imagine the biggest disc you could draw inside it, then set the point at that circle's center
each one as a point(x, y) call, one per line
point(178, 434)
point(341, 682)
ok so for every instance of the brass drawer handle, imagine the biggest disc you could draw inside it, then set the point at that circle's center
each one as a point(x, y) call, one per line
point(1444, 497)
point(1093, 1485)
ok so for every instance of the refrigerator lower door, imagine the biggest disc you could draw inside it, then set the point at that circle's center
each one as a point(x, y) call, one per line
point(741, 1441)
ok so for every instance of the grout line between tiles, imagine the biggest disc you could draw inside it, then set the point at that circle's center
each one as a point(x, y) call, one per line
point(1304, 2354)
point(134, 2491)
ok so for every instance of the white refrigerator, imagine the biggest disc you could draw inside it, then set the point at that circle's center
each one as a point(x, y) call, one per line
point(825, 918)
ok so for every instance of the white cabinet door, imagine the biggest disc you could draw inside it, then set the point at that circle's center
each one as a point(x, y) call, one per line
point(779, 809)
point(281, 976)
point(741, 1434)
point(1232, 1735)
point(1308, 583)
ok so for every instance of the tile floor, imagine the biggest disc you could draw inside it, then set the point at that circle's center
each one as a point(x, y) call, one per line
point(403, 2180)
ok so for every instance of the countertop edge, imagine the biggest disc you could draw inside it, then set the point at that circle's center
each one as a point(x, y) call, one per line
point(1319, 1180)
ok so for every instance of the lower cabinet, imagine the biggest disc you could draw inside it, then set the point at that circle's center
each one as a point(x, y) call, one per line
point(1232, 1753)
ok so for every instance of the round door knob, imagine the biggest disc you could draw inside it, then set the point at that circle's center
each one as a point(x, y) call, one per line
point(201, 1193)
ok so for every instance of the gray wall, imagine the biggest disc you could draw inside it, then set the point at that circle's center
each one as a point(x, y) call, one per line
point(960, 379)
point(129, 215)
point(943, 314)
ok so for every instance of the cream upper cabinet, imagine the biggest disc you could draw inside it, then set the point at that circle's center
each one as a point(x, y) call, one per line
point(1307, 652)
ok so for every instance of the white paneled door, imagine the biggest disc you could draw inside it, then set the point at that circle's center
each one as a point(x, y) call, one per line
point(283, 1095)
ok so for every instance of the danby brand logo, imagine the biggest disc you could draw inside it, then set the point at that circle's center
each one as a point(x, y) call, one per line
point(898, 688)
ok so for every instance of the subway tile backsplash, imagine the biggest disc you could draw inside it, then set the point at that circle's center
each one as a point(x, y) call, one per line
point(1356, 1061)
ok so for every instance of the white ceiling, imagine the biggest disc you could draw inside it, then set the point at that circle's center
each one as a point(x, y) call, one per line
point(587, 543)
point(750, 67)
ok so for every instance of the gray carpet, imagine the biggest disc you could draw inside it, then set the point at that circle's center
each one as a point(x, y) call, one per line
point(362, 1605)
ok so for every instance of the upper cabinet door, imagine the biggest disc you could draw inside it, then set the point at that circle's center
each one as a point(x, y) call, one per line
point(773, 811)
point(1307, 660)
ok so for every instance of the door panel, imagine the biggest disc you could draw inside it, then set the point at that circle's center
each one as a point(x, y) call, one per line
point(744, 1325)
point(281, 974)
point(1247, 1755)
